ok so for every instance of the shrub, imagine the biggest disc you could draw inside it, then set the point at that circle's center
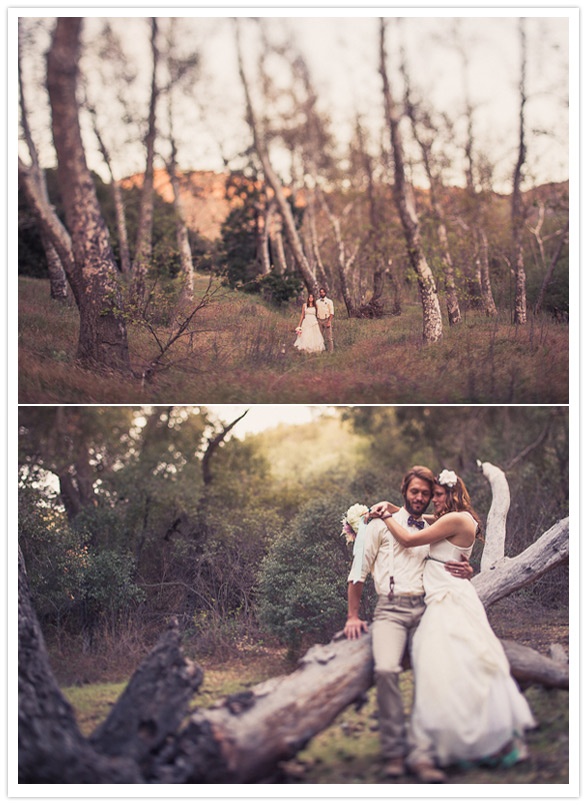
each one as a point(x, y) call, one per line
point(302, 585)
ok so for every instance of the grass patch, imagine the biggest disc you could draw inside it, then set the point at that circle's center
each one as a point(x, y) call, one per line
point(243, 352)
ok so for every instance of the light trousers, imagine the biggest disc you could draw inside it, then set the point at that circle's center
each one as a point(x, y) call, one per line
point(394, 624)
point(326, 333)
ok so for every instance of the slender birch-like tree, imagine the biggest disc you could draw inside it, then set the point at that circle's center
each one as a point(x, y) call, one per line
point(518, 213)
point(144, 245)
point(432, 324)
point(272, 179)
point(36, 176)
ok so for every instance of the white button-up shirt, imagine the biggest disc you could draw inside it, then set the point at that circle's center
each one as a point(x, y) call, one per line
point(408, 563)
point(324, 307)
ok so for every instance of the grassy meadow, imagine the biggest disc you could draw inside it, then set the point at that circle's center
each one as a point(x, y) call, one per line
point(243, 353)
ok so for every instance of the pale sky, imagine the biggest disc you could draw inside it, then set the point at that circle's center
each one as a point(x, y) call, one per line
point(342, 53)
point(263, 417)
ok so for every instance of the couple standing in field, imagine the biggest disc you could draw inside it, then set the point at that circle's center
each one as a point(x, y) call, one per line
point(315, 325)
point(467, 707)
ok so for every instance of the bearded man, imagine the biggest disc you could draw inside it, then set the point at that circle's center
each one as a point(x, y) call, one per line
point(398, 576)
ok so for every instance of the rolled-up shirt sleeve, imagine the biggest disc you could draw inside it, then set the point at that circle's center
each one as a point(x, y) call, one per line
point(373, 536)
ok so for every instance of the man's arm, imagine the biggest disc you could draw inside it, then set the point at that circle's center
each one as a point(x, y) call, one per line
point(354, 626)
point(461, 570)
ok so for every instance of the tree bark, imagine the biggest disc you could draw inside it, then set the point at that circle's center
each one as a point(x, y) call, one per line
point(520, 316)
point(116, 195)
point(551, 267)
point(142, 257)
point(485, 276)
point(51, 748)
point(432, 317)
point(94, 280)
point(152, 705)
point(57, 276)
point(495, 529)
point(513, 573)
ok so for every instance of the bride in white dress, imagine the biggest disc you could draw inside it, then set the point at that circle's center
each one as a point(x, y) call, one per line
point(467, 706)
point(309, 336)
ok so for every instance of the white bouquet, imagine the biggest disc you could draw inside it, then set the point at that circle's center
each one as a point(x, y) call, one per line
point(352, 520)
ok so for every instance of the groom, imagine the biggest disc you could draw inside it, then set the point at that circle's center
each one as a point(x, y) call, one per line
point(399, 608)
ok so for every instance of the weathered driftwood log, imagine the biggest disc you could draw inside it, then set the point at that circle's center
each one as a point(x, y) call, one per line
point(530, 667)
point(152, 705)
point(495, 528)
point(551, 550)
point(273, 721)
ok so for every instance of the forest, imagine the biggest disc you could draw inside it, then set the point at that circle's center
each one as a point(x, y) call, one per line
point(134, 517)
point(428, 233)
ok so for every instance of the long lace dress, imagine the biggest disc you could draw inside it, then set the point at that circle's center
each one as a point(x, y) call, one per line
point(467, 705)
point(310, 339)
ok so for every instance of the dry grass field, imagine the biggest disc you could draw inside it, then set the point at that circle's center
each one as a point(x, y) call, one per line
point(242, 353)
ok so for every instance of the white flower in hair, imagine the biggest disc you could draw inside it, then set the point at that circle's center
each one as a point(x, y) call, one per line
point(448, 478)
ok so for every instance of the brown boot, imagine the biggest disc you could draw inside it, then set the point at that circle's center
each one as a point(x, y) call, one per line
point(427, 773)
point(394, 767)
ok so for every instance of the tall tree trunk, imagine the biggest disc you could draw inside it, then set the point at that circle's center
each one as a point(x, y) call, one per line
point(520, 316)
point(483, 273)
point(277, 249)
point(292, 234)
point(268, 218)
point(142, 257)
point(344, 261)
point(102, 335)
point(57, 276)
point(551, 267)
point(116, 195)
point(183, 241)
point(452, 302)
point(432, 324)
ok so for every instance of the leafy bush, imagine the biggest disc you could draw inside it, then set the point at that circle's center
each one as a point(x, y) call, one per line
point(302, 585)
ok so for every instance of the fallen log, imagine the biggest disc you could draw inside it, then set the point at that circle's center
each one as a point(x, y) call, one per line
point(529, 667)
point(51, 748)
point(244, 737)
point(509, 575)
point(152, 705)
point(274, 720)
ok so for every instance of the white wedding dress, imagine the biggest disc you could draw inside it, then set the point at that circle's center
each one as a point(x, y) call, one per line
point(310, 339)
point(467, 706)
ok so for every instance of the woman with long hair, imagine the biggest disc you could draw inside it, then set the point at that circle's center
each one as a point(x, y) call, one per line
point(309, 335)
point(467, 706)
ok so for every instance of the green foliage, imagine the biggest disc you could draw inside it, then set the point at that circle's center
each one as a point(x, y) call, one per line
point(302, 581)
point(71, 581)
point(280, 288)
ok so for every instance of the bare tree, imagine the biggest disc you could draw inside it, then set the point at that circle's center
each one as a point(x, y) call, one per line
point(271, 177)
point(518, 212)
point(432, 325)
point(142, 256)
point(116, 194)
point(425, 134)
point(548, 269)
point(94, 274)
point(36, 176)
point(482, 246)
